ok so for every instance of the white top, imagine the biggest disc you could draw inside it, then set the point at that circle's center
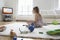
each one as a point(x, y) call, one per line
point(15, 26)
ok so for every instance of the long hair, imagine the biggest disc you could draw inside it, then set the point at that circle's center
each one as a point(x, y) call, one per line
point(36, 9)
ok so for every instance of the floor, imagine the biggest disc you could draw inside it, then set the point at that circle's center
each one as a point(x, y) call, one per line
point(8, 38)
point(5, 38)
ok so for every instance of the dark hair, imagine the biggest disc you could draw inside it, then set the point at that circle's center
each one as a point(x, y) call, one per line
point(36, 9)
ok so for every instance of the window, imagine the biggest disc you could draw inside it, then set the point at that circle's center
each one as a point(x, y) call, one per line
point(59, 4)
point(25, 7)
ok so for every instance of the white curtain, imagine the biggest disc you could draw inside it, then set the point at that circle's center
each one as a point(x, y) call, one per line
point(25, 7)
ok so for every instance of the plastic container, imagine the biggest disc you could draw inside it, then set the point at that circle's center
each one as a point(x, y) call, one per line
point(31, 27)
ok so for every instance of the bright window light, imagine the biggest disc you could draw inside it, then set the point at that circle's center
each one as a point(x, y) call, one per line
point(25, 7)
point(59, 4)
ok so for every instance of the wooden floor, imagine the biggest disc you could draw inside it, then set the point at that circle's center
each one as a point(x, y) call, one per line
point(8, 38)
point(5, 38)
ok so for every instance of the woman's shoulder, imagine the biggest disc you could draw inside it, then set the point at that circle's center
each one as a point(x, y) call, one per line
point(39, 15)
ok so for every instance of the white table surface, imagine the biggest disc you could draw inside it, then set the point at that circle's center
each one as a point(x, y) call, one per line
point(16, 25)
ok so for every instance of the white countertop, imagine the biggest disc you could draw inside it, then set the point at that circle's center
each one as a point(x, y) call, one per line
point(16, 25)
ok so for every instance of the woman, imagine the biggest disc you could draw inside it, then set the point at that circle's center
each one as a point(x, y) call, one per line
point(38, 18)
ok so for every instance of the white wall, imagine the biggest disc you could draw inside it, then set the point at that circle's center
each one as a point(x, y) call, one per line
point(46, 4)
point(13, 4)
point(1, 5)
point(42, 4)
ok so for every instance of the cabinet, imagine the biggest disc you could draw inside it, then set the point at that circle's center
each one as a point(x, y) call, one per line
point(7, 17)
point(7, 14)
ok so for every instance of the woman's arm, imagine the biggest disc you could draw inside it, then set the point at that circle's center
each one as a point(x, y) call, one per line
point(36, 16)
